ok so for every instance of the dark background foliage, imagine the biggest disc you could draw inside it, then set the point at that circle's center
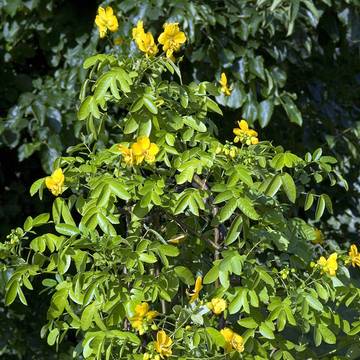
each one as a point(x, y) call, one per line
point(293, 65)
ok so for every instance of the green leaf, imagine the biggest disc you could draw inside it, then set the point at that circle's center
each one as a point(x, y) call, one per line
point(213, 106)
point(246, 206)
point(328, 203)
point(227, 210)
point(148, 258)
point(265, 331)
point(327, 335)
point(248, 323)
point(194, 123)
point(256, 65)
point(169, 250)
point(239, 301)
point(234, 230)
point(289, 186)
point(185, 275)
point(67, 229)
point(212, 275)
point(308, 201)
point(320, 207)
point(216, 336)
point(137, 105)
point(244, 175)
point(150, 105)
point(11, 292)
point(41, 219)
point(88, 106)
point(131, 126)
point(291, 110)
point(314, 303)
point(266, 108)
point(119, 190)
point(87, 316)
point(36, 186)
point(52, 337)
point(274, 186)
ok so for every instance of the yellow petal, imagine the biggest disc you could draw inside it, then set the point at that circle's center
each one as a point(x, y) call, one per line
point(238, 343)
point(101, 11)
point(142, 309)
point(137, 149)
point(109, 11)
point(161, 337)
point(49, 182)
point(58, 175)
point(243, 125)
point(227, 334)
point(154, 149)
point(198, 284)
point(180, 37)
point(144, 142)
point(322, 261)
point(223, 79)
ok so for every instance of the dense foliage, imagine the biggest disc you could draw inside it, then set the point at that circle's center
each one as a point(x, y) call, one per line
point(287, 63)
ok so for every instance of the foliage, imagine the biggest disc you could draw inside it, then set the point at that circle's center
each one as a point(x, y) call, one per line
point(309, 50)
point(127, 238)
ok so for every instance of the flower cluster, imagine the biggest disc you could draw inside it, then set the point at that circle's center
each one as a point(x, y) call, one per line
point(171, 39)
point(354, 256)
point(232, 340)
point(224, 85)
point(144, 41)
point(329, 265)
point(142, 317)
point(244, 134)
point(106, 20)
point(55, 182)
point(163, 344)
point(139, 151)
point(228, 150)
point(217, 305)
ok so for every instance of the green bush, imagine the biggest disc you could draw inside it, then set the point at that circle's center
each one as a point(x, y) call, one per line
point(167, 242)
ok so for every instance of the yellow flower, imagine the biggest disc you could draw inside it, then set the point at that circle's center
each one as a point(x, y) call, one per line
point(141, 309)
point(138, 31)
point(237, 342)
point(146, 44)
point(127, 155)
point(144, 149)
point(224, 86)
point(163, 344)
point(354, 256)
point(244, 134)
point(142, 316)
point(55, 182)
point(232, 340)
point(319, 237)
point(171, 38)
point(141, 150)
point(217, 305)
point(198, 286)
point(329, 265)
point(144, 41)
point(106, 20)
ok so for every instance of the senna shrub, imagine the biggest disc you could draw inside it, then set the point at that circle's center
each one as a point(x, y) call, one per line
point(163, 242)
